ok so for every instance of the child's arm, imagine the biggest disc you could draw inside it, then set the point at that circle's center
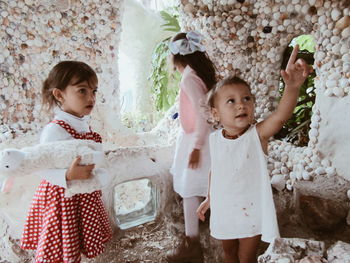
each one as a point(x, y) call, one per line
point(204, 206)
point(294, 76)
point(195, 89)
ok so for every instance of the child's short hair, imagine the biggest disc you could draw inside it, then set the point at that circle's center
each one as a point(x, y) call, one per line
point(232, 80)
point(63, 74)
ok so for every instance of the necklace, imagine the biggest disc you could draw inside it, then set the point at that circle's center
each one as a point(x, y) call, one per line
point(232, 137)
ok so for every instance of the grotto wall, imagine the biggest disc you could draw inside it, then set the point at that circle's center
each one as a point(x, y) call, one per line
point(35, 35)
point(245, 37)
point(249, 38)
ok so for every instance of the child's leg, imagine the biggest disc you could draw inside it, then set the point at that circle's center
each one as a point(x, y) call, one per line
point(248, 248)
point(190, 249)
point(191, 219)
point(231, 250)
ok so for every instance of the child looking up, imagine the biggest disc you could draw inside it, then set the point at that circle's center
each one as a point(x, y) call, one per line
point(240, 196)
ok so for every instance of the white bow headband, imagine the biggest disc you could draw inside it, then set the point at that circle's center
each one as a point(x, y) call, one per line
point(188, 45)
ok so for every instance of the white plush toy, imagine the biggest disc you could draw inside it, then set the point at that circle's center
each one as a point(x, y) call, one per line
point(57, 155)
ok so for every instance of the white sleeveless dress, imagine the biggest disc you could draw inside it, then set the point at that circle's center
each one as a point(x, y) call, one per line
point(241, 198)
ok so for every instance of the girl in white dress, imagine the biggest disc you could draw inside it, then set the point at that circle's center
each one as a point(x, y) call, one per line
point(240, 196)
point(192, 158)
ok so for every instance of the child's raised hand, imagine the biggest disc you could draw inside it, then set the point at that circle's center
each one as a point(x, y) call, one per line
point(296, 71)
point(79, 172)
point(203, 207)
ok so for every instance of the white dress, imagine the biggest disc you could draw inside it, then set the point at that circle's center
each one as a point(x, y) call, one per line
point(241, 198)
point(190, 182)
point(194, 133)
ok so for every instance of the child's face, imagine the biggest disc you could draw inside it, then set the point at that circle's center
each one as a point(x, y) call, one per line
point(234, 107)
point(78, 99)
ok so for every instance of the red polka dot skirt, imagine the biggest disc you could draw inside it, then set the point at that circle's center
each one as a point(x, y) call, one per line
point(61, 228)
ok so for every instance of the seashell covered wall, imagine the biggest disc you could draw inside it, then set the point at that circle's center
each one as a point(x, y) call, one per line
point(37, 34)
point(244, 37)
point(248, 38)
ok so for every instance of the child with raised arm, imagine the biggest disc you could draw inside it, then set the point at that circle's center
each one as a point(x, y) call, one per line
point(240, 195)
point(192, 159)
point(61, 228)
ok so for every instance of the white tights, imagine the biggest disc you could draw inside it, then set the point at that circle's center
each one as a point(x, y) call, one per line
point(191, 220)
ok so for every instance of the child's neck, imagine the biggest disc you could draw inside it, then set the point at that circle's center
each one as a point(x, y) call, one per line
point(234, 136)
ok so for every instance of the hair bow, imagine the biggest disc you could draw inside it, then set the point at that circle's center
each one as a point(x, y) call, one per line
point(188, 45)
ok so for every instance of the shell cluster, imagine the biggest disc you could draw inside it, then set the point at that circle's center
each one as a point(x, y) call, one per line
point(288, 163)
point(248, 38)
point(244, 37)
point(37, 34)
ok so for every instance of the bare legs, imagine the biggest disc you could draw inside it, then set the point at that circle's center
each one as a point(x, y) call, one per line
point(241, 250)
point(231, 250)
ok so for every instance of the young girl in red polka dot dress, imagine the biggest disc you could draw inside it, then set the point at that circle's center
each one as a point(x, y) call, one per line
point(57, 227)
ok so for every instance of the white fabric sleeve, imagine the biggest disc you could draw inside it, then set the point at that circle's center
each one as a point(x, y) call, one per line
point(54, 132)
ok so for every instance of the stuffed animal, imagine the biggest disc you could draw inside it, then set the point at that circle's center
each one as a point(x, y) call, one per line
point(56, 155)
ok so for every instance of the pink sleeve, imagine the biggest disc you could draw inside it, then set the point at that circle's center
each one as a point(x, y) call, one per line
point(196, 91)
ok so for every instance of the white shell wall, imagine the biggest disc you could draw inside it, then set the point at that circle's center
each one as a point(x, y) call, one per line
point(249, 37)
point(37, 34)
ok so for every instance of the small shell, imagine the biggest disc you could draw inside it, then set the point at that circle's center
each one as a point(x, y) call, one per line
point(326, 163)
point(343, 23)
point(314, 125)
point(299, 175)
point(292, 176)
point(315, 118)
point(339, 92)
point(345, 33)
point(331, 83)
point(320, 171)
point(278, 182)
point(331, 171)
point(306, 176)
point(329, 93)
point(284, 170)
point(335, 14)
point(308, 152)
point(313, 133)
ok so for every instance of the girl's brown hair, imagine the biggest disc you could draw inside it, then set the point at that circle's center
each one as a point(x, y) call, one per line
point(63, 74)
point(198, 61)
point(232, 80)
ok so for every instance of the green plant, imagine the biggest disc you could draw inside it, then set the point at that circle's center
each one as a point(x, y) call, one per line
point(296, 129)
point(164, 81)
point(305, 42)
point(171, 18)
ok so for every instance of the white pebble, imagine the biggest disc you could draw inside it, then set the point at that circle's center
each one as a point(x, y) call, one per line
point(306, 176)
point(326, 163)
point(335, 14)
point(320, 171)
point(330, 171)
point(339, 92)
